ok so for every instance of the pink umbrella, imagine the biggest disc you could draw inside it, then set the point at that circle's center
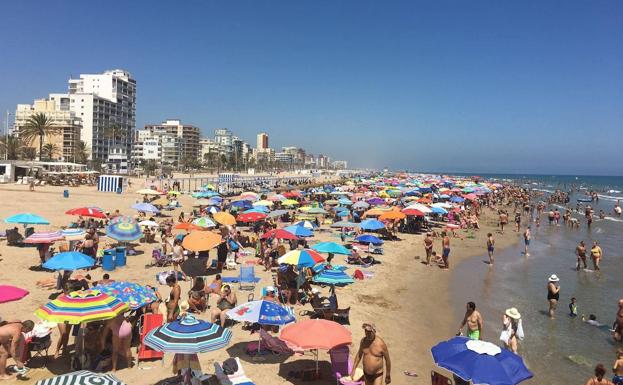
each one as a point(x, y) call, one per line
point(11, 293)
point(44, 237)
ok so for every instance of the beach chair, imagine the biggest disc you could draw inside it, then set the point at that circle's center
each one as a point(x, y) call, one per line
point(230, 262)
point(148, 322)
point(439, 379)
point(159, 259)
point(342, 365)
point(247, 279)
point(237, 378)
point(278, 346)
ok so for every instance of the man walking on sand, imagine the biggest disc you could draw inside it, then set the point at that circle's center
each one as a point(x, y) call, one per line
point(428, 247)
point(372, 352)
point(474, 322)
point(446, 251)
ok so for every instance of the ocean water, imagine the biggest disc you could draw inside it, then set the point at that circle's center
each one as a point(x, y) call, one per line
point(563, 350)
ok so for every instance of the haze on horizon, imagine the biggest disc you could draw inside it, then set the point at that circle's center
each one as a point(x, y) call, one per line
point(481, 86)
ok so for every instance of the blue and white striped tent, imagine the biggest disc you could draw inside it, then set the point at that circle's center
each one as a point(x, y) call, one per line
point(112, 183)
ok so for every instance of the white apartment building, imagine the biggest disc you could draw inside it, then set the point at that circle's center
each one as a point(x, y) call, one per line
point(187, 137)
point(102, 101)
point(225, 138)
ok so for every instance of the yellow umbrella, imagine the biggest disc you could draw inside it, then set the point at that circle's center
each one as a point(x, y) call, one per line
point(263, 203)
point(289, 202)
point(174, 193)
point(224, 218)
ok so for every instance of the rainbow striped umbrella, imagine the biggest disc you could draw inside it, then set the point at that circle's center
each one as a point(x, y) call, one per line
point(124, 230)
point(44, 237)
point(81, 306)
point(301, 258)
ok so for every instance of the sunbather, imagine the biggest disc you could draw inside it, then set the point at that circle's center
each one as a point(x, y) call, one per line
point(227, 300)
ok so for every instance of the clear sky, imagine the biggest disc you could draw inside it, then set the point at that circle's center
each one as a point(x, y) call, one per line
point(479, 86)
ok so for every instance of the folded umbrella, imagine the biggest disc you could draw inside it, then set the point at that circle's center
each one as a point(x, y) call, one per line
point(262, 312)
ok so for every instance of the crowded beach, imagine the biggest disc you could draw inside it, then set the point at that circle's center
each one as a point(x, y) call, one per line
point(338, 281)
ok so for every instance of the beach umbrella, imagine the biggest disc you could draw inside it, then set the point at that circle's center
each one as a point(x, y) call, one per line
point(204, 194)
point(372, 224)
point(345, 202)
point(224, 218)
point(148, 191)
point(44, 237)
point(331, 247)
point(251, 217)
point(290, 202)
point(392, 216)
point(209, 186)
point(69, 260)
point(316, 210)
point(264, 202)
point(343, 224)
point(261, 312)
point(81, 306)
point(277, 213)
point(471, 197)
point(420, 207)
point(361, 205)
point(187, 226)
point(301, 258)
point(331, 202)
point(343, 213)
point(279, 234)
point(307, 224)
point(333, 277)
point(194, 267)
point(413, 213)
point(146, 208)
point(212, 209)
point(242, 204)
point(124, 231)
point(82, 377)
point(376, 201)
point(257, 209)
point(250, 195)
point(173, 192)
point(299, 231)
point(204, 202)
point(148, 224)
point(480, 362)
point(438, 210)
point(132, 294)
point(188, 335)
point(201, 241)
point(204, 222)
point(276, 198)
point(73, 234)
point(367, 238)
point(27, 219)
point(87, 212)
point(457, 199)
point(10, 293)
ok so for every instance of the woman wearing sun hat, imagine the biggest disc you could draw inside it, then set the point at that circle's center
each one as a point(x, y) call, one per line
point(553, 293)
point(513, 331)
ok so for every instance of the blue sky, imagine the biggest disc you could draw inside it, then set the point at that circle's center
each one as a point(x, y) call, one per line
point(482, 86)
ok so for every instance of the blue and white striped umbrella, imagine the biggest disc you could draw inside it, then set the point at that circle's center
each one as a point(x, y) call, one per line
point(83, 377)
point(262, 312)
point(188, 335)
point(333, 277)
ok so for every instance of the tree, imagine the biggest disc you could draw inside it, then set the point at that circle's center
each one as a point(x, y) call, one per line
point(39, 125)
point(48, 151)
point(29, 153)
point(81, 152)
point(150, 166)
point(11, 146)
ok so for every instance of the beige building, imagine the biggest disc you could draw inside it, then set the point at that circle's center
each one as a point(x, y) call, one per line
point(56, 108)
point(183, 139)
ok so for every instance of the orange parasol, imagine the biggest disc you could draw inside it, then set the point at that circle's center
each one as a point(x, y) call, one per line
point(316, 334)
point(392, 216)
point(187, 226)
point(224, 218)
point(201, 240)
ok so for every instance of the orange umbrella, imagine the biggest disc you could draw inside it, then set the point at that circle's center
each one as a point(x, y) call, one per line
point(187, 226)
point(374, 212)
point(224, 218)
point(392, 216)
point(316, 334)
point(201, 240)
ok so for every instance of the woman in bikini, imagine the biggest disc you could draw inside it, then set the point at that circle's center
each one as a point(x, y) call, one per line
point(599, 379)
point(121, 331)
point(226, 301)
point(174, 298)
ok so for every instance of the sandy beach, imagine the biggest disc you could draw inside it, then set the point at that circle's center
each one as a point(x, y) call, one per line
point(408, 301)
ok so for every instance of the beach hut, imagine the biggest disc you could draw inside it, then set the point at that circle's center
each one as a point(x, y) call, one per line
point(112, 183)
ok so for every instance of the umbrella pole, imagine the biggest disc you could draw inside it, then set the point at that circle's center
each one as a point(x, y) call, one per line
point(316, 354)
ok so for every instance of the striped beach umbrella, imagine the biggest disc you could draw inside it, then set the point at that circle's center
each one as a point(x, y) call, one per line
point(132, 294)
point(83, 377)
point(301, 258)
point(124, 231)
point(81, 306)
point(73, 234)
point(44, 237)
point(188, 335)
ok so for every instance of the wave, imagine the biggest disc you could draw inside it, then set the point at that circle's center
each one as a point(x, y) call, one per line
point(614, 191)
point(609, 197)
point(613, 219)
point(543, 190)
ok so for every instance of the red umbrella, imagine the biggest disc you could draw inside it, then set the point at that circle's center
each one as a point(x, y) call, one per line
point(11, 293)
point(413, 212)
point(86, 212)
point(470, 196)
point(251, 217)
point(292, 194)
point(279, 234)
point(316, 334)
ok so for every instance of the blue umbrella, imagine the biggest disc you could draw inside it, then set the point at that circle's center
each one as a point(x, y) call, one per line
point(344, 201)
point(188, 335)
point(457, 199)
point(146, 208)
point(133, 294)
point(262, 312)
point(69, 260)
point(343, 213)
point(438, 210)
point(372, 224)
point(343, 224)
point(243, 204)
point(27, 219)
point(307, 224)
point(212, 209)
point(367, 238)
point(204, 194)
point(257, 209)
point(331, 247)
point(480, 362)
point(299, 231)
point(333, 277)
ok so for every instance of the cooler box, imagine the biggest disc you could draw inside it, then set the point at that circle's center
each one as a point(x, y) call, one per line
point(108, 261)
point(120, 256)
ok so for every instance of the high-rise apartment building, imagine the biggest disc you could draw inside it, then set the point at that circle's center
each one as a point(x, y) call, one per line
point(262, 141)
point(106, 104)
point(187, 137)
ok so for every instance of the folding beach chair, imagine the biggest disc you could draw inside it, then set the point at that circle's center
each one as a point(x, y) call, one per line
point(148, 322)
point(342, 365)
point(439, 379)
point(247, 279)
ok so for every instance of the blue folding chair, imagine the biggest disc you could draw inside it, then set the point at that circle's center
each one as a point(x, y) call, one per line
point(247, 278)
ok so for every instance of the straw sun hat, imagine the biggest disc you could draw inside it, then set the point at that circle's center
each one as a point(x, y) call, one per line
point(553, 278)
point(513, 313)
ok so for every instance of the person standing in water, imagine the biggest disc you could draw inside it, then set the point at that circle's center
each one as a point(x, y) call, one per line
point(596, 255)
point(553, 294)
point(490, 247)
point(526, 240)
point(600, 373)
point(474, 322)
point(580, 251)
point(372, 352)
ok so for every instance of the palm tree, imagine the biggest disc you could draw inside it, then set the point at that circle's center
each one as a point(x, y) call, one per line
point(29, 153)
point(49, 149)
point(10, 146)
point(39, 125)
point(81, 152)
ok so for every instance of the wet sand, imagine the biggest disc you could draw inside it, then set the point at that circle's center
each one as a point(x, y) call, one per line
point(408, 301)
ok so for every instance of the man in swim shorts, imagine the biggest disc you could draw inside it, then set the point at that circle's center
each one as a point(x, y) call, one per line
point(526, 239)
point(372, 352)
point(445, 251)
point(474, 322)
point(617, 368)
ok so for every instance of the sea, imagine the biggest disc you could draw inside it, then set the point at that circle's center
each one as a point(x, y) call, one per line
point(563, 350)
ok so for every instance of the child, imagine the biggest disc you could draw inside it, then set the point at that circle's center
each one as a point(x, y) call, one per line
point(573, 308)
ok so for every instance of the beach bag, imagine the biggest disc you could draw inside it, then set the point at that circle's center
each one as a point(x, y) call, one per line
point(233, 246)
point(230, 366)
point(358, 274)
